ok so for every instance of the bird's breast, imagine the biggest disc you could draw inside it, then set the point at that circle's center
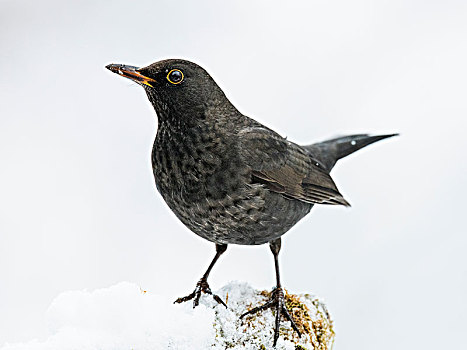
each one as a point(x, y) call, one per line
point(195, 165)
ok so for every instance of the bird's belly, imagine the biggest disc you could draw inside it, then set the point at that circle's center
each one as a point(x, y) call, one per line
point(248, 216)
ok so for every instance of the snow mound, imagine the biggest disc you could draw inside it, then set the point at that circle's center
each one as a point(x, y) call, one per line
point(124, 317)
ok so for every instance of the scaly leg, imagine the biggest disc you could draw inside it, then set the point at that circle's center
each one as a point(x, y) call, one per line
point(202, 286)
point(277, 299)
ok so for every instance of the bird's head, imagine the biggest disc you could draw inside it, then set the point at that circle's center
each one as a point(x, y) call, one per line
point(177, 88)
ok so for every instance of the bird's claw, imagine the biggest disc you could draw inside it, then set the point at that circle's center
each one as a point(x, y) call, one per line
point(277, 301)
point(201, 287)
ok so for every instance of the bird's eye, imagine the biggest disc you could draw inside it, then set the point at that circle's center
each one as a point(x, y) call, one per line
point(175, 76)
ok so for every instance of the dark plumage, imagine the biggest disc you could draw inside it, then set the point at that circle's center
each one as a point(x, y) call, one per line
point(228, 178)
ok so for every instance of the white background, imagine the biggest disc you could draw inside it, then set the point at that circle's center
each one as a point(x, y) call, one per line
point(79, 209)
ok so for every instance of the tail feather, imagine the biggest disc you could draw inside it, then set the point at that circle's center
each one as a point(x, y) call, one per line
point(330, 151)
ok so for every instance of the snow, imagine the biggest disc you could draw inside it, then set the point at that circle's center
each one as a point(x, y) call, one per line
point(124, 317)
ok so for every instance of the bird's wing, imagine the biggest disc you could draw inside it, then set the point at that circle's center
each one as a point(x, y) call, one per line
point(286, 168)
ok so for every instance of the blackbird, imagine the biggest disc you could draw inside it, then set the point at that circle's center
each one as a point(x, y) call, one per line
point(227, 177)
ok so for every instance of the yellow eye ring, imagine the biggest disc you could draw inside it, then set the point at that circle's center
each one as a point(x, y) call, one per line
point(175, 76)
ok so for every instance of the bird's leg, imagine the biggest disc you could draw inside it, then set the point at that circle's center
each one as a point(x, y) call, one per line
point(202, 286)
point(277, 300)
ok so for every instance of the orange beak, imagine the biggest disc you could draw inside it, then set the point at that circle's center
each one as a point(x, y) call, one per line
point(130, 72)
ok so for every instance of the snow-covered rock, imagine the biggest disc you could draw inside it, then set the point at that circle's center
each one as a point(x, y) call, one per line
point(124, 317)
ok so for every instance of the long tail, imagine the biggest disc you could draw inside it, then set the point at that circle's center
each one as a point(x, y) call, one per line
point(330, 151)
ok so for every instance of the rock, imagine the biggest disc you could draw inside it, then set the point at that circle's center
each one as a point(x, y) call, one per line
point(257, 331)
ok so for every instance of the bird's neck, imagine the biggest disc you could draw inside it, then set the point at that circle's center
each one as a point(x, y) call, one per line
point(179, 117)
point(189, 109)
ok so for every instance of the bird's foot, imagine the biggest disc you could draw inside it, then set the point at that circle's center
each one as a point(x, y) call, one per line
point(277, 301)
point(201, 287)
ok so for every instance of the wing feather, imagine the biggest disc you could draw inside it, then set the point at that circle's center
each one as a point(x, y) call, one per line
point(286, 168)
